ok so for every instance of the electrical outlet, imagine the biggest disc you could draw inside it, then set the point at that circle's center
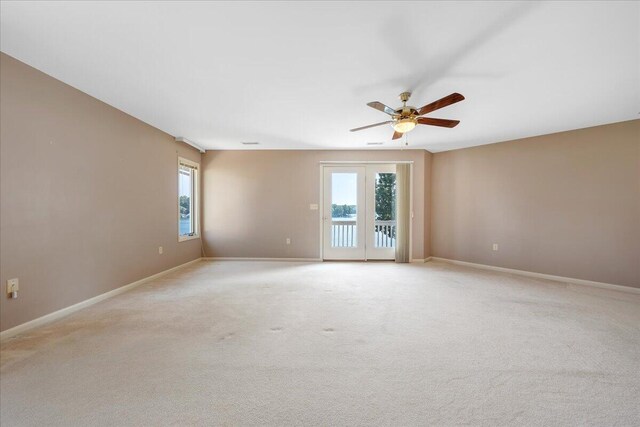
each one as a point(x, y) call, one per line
point(160, 250)
point(13, 286)
point(495, 246)
point(288, 241)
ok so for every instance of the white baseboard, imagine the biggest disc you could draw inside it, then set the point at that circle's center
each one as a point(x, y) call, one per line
point(563, 279)
point(47, 318)
point(421, 260)
point(262, 259)
point(416, 260)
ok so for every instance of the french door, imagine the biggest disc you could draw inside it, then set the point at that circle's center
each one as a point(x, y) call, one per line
point(359, 214)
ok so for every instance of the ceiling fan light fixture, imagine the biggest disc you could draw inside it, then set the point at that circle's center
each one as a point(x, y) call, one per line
point(404, 125)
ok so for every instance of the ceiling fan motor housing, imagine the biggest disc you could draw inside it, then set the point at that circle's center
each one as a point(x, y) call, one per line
point(406, 111)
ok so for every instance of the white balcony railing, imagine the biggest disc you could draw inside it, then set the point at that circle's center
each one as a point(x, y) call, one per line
point(344, 233)
point(385, 236)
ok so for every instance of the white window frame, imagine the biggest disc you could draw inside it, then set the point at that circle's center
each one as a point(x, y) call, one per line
point(196, 199)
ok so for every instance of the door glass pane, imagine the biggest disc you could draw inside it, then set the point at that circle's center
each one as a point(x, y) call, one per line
point(344, 208)
point(385, 212)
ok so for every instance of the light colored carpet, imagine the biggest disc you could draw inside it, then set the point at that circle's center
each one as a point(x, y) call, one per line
point(271, 343)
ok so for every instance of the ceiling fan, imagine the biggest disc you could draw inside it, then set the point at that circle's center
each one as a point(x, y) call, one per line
point(405, 118)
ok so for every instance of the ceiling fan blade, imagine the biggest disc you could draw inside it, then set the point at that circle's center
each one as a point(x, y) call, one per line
point(445, 123)
point(441, 103)
point(384, 108)
point(371, 126)
point(397, 135)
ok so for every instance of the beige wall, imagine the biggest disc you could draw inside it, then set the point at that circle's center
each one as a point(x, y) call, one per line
point(87, 195)
point(254, 200)
point(566, 204)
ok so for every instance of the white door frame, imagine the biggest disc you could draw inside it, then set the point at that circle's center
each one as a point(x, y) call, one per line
point(357, 252)
point(322, 165)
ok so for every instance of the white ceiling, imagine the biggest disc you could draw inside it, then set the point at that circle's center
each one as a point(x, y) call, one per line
point(298, 74)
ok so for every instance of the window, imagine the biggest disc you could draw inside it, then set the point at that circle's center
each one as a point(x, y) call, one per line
point(188, 221)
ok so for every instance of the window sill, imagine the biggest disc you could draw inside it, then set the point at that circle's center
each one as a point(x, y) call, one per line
point(185, 238)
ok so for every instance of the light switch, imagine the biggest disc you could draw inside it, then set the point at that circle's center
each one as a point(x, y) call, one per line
point(313, 206)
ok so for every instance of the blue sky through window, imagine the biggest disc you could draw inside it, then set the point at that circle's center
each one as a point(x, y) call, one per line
point(344, 188)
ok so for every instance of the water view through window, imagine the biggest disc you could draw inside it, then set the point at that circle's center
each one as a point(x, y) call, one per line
point(186, 222)
point(344, 210)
